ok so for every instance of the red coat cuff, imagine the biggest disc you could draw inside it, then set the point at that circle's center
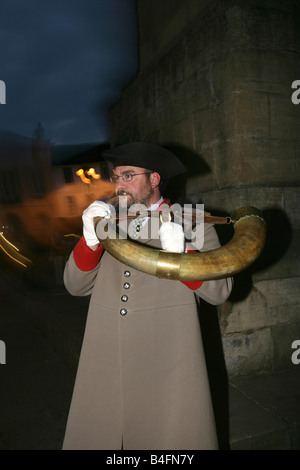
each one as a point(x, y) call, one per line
point(193, 285)
point(86, 259)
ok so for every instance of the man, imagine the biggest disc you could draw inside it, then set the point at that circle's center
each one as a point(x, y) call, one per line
point(142, 380)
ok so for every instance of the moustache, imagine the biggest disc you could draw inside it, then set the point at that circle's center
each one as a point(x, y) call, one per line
point(124, 193)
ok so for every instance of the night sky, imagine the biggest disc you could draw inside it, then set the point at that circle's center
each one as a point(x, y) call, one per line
point(64, 63)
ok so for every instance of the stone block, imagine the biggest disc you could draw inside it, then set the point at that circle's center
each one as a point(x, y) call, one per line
point(248, 353)
point(258, 331)
point(248, 314)
point(269, 303)
point(236, 26)
point(284, 119)
point(249, 161)
point(246, 114)
point(239, 114)
point(281, 254)
point(231, 198)
point(292, 205)
point(271, 25)
point(180, 133)
point(270, 199)
point(263, 71)
point(162, 23)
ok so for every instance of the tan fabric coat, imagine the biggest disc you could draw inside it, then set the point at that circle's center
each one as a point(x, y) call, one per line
point(142, 380)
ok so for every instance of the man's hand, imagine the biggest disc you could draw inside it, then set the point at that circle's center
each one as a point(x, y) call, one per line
point(96, 209)
point(172, 237)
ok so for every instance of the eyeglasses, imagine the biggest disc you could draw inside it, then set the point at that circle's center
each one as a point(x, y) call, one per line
point(127, 177)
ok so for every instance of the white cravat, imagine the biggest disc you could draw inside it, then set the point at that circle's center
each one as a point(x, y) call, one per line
point(139, 222)
point(155, 206)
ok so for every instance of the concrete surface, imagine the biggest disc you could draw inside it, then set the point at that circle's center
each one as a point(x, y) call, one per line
point(35, 387)
point(265, 411)
point(42, 331)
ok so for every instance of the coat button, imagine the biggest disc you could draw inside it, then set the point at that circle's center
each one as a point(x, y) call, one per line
point(127, 273)
point(126, 285)
point(123, 311)
point(124, 298)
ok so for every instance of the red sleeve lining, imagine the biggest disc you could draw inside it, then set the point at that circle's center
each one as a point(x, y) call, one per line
point(193, 285)
point(86, 259)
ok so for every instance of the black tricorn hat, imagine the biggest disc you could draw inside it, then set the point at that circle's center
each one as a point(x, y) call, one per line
point(146, 155)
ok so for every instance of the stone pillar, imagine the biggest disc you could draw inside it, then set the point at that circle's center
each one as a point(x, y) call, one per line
point(220, 88)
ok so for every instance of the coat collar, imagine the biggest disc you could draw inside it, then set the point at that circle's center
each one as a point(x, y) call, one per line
point(149, 231)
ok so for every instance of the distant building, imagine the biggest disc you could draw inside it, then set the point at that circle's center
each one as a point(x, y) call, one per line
point(42, 190)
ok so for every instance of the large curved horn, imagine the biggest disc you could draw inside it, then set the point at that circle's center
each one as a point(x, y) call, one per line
point(239, 253)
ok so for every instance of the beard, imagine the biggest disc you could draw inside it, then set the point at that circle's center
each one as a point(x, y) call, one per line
point(127, 199)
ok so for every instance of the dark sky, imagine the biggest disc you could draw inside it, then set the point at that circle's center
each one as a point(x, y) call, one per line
point(64, 63)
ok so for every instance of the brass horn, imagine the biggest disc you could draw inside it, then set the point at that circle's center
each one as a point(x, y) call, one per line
point(240, 252)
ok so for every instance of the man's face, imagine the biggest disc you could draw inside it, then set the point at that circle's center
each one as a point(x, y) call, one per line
point(137, 191)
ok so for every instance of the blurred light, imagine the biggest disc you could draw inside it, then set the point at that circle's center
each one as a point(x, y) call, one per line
point(13, 252)
point(82, 176)
point(93, 173)
point(74, 235)
point(7, 241)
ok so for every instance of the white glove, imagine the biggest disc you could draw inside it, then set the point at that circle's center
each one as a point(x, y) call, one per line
point(172, 237)
point(96, 209)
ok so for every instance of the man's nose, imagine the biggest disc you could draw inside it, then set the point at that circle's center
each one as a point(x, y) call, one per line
point(120, 185)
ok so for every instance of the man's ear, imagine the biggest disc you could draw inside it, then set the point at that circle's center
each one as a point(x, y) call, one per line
point(155, 179)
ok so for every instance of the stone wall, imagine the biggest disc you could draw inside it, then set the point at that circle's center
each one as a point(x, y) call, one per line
point(219, 90)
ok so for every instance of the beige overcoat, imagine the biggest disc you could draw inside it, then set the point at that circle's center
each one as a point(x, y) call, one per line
point(141, 381)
